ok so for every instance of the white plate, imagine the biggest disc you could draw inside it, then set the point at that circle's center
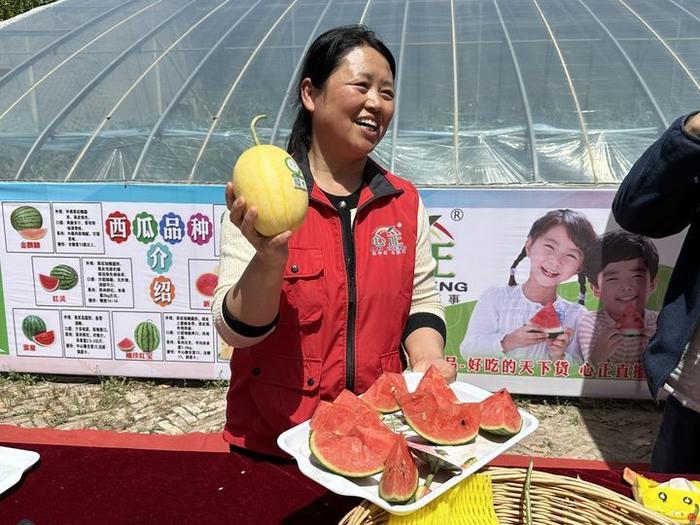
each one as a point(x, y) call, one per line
point(13, 463)
point(295, 442)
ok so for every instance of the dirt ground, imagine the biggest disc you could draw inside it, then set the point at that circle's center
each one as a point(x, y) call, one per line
point(611, 430)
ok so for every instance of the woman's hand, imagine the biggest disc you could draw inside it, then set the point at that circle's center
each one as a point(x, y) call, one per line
point(446, 370)
point(526, 335)
point(271, 251)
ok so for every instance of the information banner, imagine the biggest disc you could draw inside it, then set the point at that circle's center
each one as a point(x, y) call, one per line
point(118, 279)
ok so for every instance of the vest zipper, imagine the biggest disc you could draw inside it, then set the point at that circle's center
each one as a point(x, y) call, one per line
point(349, 255)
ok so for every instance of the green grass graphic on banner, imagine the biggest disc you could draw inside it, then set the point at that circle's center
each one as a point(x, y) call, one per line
point(457, 319)
point(4, 343)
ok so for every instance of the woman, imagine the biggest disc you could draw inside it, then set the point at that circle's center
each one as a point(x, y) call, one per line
point(331, 305)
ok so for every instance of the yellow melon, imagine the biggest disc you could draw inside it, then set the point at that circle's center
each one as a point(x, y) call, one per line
point(270, 179)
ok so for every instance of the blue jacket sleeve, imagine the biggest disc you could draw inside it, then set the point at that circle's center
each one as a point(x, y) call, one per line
point(661, 193)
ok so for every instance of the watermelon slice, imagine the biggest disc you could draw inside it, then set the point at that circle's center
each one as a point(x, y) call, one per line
point(384, 391)
point(399, 481)
point(499, 414)
point(352, 456)
point(631, 324)
point(547, 321)
point(125, 345)
point(49, 283)
point(44, 338)
point(433, 383)
point(446, 424)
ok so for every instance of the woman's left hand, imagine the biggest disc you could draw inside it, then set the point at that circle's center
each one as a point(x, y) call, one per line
point(448, 371)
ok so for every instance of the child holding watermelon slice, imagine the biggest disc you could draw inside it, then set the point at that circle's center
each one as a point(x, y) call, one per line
point(622, 274)
point(501, 323)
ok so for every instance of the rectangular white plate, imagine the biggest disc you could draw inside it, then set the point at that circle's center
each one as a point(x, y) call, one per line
point(295, 442)
point(13, 463)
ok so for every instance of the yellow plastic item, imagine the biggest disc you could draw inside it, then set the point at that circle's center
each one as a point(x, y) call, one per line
point(468, 503)
point(677, 499)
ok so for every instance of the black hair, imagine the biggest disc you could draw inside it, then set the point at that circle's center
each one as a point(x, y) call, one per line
point(579, 229)
point(621, 245)
point(321, 59)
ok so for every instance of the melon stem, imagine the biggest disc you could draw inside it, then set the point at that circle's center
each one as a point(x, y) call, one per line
point(252, 128)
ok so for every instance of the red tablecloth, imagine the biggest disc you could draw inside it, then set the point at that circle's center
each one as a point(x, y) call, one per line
point(76, 484)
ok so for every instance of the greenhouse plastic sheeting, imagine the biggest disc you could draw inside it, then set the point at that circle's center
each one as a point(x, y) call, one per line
point(490, 92)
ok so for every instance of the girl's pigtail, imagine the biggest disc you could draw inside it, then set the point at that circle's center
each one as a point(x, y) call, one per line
point(581, 288)
point(520, 257)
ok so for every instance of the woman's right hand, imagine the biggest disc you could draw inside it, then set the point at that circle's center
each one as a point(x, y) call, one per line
point(526, 335)
point(271, 251)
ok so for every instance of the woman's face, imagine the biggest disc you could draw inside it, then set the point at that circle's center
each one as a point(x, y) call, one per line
point(554, 258)
point(352, 111)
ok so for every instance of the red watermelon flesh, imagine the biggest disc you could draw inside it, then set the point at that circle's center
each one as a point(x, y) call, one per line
point(432, 382)
point(341, 419)
point(206, 284)
point(44, 338)
point(384, 391)
point(631, 324)
point(350, 400)
point(49, 283)
point(329, 416)
point(548, 321)
point(499, 414)
point(446, 424)
point(399, 480)
point(125, 345)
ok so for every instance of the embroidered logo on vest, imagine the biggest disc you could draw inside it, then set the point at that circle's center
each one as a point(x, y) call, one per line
point(386, 240)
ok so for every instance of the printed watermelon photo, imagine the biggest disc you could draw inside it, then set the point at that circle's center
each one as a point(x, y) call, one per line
point(27, 221)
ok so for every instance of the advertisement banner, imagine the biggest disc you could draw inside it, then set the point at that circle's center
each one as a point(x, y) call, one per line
point(114, 279)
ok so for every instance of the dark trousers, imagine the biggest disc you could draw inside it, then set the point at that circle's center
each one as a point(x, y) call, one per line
point(677, 448)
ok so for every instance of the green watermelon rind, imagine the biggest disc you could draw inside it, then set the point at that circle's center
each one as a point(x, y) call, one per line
point(501, 430)
point(335, 469)
point(66, 275)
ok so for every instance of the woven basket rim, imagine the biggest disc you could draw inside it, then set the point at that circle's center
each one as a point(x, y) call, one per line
point(555, 499)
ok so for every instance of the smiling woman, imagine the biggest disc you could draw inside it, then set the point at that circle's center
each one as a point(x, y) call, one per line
point(305, 309)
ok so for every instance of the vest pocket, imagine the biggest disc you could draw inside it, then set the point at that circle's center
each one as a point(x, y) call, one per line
point(303, 287)
point(285, 389)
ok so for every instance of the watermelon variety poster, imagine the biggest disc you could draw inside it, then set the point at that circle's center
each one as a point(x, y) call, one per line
point(118, 280)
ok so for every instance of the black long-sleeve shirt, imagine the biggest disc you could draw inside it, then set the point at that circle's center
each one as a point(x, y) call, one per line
point(660, 197)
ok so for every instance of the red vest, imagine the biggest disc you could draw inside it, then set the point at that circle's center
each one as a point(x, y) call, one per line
point(335, 330)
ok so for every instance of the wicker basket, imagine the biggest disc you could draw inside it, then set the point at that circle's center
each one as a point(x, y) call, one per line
point(553, 500)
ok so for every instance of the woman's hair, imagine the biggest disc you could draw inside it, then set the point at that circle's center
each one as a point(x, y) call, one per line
point(322, 58)
point(579, 229)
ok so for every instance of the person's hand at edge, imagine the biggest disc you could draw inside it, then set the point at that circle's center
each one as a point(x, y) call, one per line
point(692, 125)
